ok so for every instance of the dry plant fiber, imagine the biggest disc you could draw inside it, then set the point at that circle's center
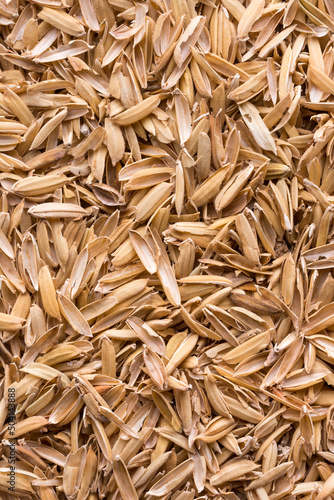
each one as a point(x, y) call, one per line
point(167, 249)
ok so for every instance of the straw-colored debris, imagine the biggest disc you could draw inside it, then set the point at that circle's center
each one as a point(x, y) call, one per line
point(167, 249)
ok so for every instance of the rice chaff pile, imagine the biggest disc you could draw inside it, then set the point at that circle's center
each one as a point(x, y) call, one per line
point(167, 249)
